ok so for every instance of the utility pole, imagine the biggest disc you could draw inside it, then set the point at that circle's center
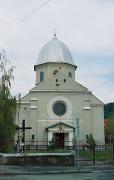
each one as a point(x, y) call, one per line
point(77, 134)
point(78, 147)
point(19, 103)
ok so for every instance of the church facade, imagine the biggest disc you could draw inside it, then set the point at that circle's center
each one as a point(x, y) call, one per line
point(57, 102)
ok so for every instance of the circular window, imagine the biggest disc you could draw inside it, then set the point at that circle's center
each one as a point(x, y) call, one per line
point(59, 108)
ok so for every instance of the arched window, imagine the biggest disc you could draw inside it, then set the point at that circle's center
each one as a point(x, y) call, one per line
point(70, 74)
point(55, 72)
point(41, 76)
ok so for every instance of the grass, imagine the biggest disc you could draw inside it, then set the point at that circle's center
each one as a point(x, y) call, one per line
point(99, 155)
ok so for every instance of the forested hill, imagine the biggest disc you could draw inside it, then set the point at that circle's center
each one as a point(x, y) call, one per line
point(108, 110)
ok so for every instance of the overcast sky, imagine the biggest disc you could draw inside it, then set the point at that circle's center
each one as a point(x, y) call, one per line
point(85, 26)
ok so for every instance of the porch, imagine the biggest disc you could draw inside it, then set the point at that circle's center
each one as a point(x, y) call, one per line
point(62, 134)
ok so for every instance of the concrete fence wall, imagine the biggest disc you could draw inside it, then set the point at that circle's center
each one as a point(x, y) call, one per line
point(44, 160)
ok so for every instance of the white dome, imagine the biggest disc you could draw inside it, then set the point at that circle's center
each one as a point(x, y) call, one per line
point(55, 51)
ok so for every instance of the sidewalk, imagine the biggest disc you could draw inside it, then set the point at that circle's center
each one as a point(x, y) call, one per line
point(38, 170)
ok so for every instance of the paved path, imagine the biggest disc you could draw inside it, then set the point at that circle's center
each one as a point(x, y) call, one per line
point(38, 170)
point(56, 173)
point(75, 176)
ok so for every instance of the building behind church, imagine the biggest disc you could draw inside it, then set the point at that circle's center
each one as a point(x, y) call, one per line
point(53, 106)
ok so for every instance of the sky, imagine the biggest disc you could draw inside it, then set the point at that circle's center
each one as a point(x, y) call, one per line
point(85, 26)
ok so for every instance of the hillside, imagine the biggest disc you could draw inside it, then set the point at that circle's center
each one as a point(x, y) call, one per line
point(108, 110)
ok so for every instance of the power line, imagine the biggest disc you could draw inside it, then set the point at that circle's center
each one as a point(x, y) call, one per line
point(33, 12)
point(27, 16)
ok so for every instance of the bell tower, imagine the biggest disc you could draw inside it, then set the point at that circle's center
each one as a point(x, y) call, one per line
point(54, 57)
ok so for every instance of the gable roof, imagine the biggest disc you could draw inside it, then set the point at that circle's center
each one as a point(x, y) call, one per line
point(69, 85)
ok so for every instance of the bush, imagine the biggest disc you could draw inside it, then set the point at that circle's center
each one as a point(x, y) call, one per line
point(90, 142)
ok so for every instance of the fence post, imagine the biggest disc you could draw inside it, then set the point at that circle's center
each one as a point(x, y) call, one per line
point(93, 154)
point(47, 146)
point(113, 148)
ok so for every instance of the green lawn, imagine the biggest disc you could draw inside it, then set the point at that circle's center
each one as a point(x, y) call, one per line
point(99, 155)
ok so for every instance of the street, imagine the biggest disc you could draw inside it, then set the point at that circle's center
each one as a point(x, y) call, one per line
point(104, 175)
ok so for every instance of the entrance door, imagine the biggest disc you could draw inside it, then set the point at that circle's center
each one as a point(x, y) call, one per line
point(59, 139)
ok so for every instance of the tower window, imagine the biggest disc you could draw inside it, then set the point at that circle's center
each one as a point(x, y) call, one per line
point(56, 80)
point(42, 76)
point(55, 72)
point(64, 80)
point(70, 74)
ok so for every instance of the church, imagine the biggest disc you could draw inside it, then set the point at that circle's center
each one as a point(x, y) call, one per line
point(53, 106)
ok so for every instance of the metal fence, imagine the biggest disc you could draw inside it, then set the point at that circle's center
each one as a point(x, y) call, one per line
point(46, 146)
point(100, 154)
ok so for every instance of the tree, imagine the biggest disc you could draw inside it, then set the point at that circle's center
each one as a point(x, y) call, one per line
point(109, 129)
point(7, 103)
point(109, 122)
point(111, 115)
point(90, 142)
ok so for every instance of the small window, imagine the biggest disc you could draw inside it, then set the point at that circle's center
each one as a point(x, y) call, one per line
point(64, 80)
point(70, 74)
point(55, 72)
point(56, 80)
point(41, 76)
point(57, 84)
point(32, 136)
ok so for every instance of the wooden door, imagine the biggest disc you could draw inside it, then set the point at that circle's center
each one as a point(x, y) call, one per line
point(59, 139)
